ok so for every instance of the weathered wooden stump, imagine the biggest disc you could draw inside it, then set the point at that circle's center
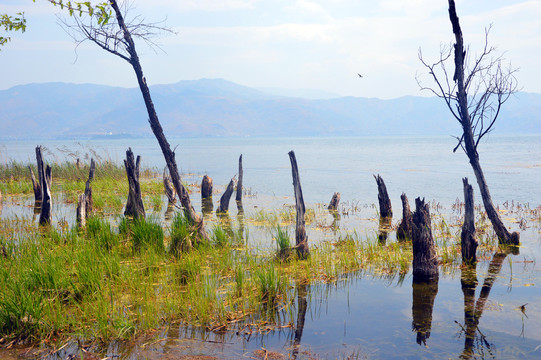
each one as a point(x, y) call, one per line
point(134, 205)
point(468, 241)
point(335, 200)
point(404, 229)
point(425, 260)
point(424, 294)
point(45, 178)
point(36, 184)
point(89, 202)
point(238, 198)
point(385, 208)
point(224, 200)
point(168, 187)
point(301, 239)
point(206, 187)
point(81, 211)
point(385, 225)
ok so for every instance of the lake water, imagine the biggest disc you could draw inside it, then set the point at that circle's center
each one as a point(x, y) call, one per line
point(420, 167)
point(364, 315)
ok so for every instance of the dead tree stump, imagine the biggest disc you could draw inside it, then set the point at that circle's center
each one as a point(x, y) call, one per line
point(45, 178)
point(468, 241)
point(168, 187)
point(89, 203)
point(333, 205)
point(385, 208)
point(238, 198)
point(36, 185)
point(81, 211)
point(134, 205)
point(301, 239)
point(224, 200)
point(206, 187)
point(404, 229)
point(425, 260)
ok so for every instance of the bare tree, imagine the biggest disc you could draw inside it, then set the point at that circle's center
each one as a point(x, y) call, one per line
point(479, 87)
point(115, 35)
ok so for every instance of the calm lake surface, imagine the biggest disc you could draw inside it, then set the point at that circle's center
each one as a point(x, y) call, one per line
point(364, 315)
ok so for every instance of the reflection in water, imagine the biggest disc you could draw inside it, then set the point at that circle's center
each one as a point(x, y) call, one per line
point(240, 219)
point(225, 222)
point(335, 226)
point(473, 310)
point(169, 211)
point(302, 306)
point(385, 224)
point(207, 206)
point(424, 294)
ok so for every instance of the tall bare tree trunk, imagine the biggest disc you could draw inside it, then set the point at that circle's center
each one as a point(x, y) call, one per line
point(301, 239)
point(156, 127)
point(469, 141)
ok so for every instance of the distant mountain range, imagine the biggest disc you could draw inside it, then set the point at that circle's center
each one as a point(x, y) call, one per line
point(216, 107)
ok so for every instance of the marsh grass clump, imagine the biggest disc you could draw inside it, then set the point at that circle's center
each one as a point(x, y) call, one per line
point(146, 233)
point(220, 237)
point(283, 244)
point(270, 285)
point(182, 235)
point(101, 232)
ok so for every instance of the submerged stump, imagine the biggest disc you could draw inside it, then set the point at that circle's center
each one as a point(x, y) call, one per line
point(404, 229)
point(45, 178)
point(238, 197)
point(206, 187)
point(467, 237)
point(301, 239)
point(385, 208)
point(425, 259)
point(134, 205)
point(335, 200)
point(224, 200)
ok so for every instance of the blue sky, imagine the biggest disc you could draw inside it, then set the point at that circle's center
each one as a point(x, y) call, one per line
point(293, 44)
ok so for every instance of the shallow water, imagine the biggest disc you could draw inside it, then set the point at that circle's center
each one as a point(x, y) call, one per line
point(363, 315)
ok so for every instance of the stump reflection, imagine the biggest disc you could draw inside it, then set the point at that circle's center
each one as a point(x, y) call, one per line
point(424, 294)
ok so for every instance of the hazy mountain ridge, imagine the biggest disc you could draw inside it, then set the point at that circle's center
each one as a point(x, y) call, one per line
point(216, 107)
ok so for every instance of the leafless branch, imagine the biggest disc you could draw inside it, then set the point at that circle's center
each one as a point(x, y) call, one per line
point(109, 36)
point(487, 83)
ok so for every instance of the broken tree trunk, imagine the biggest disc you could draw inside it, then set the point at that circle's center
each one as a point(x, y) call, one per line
point(168, 187)
point(224, 200)
point(134, 205)
point(425, 260)
point(385, 208)
point(45, 215)
point(206, 187)
point(81, 211)
point(89, 203)
point(468, 241)
point(404, 229)
point(333, 205)
point(35, 184)
point(238, 198)
point(301, 239)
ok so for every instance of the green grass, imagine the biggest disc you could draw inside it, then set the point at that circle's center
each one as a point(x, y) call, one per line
point(118, 281)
